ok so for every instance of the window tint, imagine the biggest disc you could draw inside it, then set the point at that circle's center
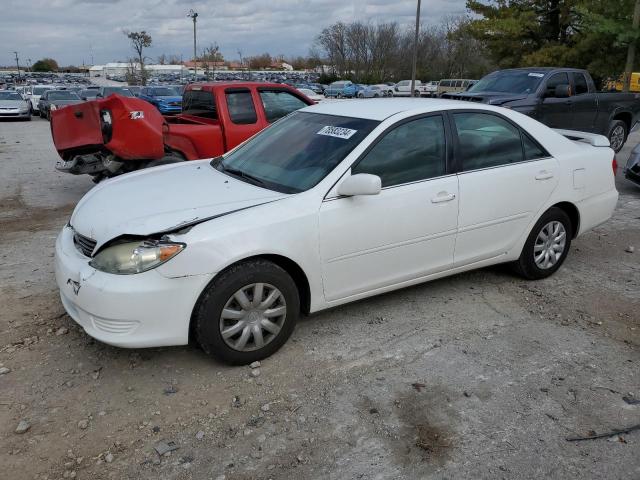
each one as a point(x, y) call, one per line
point(531, 149)
point(199, 103)
point(555, 80)
point(580, 83)
point(458, 84)
point(445, 83)
point(241, 108)
point(486, 141)
point(278, 104)
point(411, 152)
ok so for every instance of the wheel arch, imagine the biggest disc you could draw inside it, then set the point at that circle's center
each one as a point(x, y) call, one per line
point(574, 215)
point(290, 266)
point(625, 117)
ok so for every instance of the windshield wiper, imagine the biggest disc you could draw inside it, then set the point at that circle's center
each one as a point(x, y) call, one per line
point(241, 174)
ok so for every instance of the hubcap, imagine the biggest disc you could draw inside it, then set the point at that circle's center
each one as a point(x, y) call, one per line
point(253, 317)
point(617, 137)
point(549, 245)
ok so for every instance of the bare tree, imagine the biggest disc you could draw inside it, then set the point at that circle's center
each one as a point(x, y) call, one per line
point(140, 41)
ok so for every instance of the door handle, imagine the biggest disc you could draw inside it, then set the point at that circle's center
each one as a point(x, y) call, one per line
point(443, 197)
point(544, 175)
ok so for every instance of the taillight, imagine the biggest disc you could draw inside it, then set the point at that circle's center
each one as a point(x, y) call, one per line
point(614, 165)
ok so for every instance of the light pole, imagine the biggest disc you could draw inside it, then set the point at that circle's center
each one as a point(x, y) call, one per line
point(415, 52)
point(17, 65)
point(194, 16)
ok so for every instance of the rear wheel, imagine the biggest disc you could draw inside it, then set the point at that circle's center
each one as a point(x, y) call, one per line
point(247, 313)
point(617, 135)
point(547, 245)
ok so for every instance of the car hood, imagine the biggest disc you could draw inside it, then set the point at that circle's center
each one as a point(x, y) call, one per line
point(169, 99)
point(163, 199)
point(492, 98)
point(12, 103)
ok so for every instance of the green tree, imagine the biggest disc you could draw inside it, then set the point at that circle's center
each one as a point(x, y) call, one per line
point(45, 65)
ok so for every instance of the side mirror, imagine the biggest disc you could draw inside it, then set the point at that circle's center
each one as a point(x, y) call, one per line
point(562, 91)
point(360, 184)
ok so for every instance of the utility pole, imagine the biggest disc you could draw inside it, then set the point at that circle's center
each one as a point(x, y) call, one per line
point(415, 51)
point(194, 16)
point(631, 51)
point(17, 65)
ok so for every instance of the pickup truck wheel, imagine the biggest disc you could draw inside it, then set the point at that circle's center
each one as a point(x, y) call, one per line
point(166, 160)
point(617, 135)
point(247, 312)
point(546, 247)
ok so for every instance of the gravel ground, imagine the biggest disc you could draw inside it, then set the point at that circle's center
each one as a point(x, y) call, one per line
point(481, 375)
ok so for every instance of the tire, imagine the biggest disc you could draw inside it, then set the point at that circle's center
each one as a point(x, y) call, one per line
point(168, 159)
point(526, 265)
point(375, 95)
point(617, 135)
point(221, 294)
point(417, 93)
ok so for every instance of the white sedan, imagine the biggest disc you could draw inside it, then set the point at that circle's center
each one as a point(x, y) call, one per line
point(334, 203)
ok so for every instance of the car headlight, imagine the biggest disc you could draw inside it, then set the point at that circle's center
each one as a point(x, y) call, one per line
point(135, 257)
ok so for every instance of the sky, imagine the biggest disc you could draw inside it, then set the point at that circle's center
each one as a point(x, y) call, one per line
point(75, 31)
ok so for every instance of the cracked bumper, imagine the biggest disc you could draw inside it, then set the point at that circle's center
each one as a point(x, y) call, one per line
point(132, 311)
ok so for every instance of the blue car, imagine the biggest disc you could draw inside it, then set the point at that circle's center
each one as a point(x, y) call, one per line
point(340, 89)
point(166, 99)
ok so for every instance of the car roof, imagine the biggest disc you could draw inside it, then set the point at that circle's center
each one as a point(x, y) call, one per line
point(382, 108)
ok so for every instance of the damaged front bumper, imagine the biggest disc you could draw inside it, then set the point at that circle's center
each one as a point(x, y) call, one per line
point(132, 311)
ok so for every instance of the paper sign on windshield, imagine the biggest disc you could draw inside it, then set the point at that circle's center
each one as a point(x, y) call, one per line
point(339, 132)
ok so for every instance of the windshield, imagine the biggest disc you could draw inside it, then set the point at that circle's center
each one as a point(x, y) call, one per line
point(509, 81)
point(89, 93)
point(164, 92)
point(297, 152)
point(40, 90)
point(10, 96)
point(62, 96)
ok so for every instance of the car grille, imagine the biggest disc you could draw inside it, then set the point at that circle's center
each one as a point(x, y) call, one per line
point(84, 244)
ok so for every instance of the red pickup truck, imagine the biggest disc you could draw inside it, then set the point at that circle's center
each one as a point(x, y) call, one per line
point(115, 135)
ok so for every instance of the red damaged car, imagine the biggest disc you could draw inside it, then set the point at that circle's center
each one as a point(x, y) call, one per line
point(115, 135)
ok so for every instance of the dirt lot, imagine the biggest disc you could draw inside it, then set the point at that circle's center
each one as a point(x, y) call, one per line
point(482, 375)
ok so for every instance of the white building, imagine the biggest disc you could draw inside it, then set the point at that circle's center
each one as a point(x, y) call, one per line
point(96, 71)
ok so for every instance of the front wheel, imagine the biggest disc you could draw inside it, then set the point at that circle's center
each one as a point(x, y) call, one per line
point(547, 245)
point(247, 312)
point(617, 135)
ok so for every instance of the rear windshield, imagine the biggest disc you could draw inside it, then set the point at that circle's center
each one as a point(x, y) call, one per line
point(40, 90)
point(164, 92)
point(62, 95)
point(10, 96)
point(297, 152)
point(199, 103)
point(89, 93)
point(120, 91)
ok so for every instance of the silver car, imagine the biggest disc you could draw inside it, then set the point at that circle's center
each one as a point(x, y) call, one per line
point(12, 105)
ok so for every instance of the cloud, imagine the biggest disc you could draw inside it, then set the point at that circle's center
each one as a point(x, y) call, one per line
point(74, 31)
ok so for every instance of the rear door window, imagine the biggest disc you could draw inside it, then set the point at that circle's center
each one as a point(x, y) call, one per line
point(242, 111)
point(279, 103)
point(486, 141)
